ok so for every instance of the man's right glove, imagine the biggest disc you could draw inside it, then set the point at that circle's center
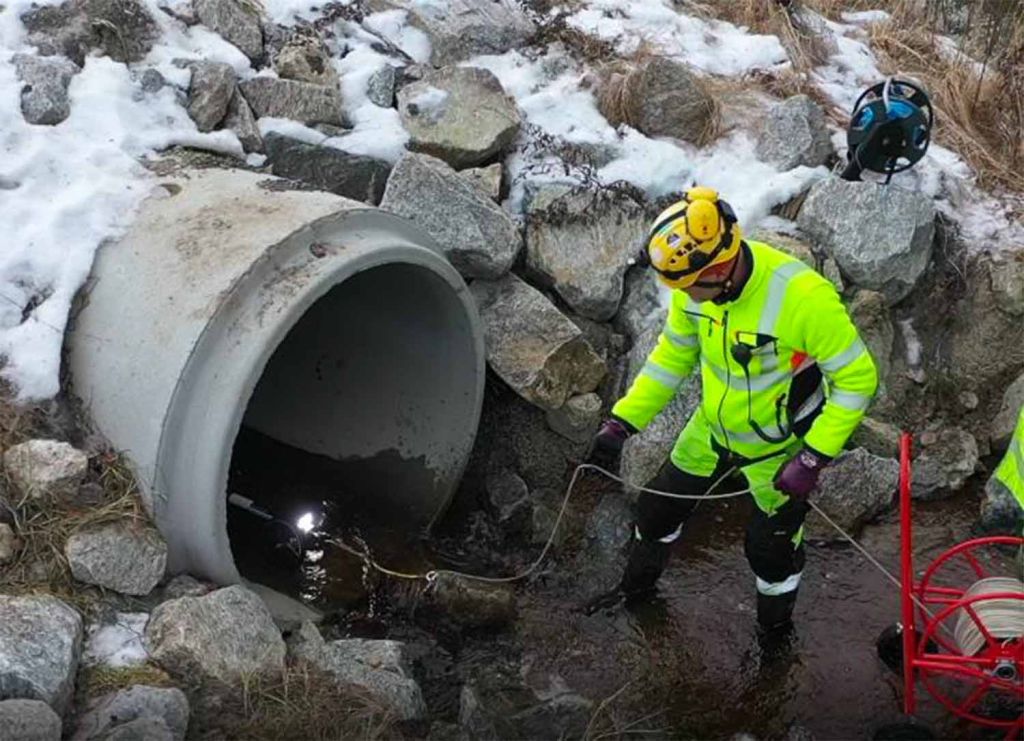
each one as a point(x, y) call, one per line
point(606, 450)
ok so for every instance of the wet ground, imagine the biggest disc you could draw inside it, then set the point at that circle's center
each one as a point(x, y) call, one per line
point(687, 664)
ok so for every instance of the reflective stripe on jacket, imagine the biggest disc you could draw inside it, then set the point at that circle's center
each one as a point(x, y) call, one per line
point(794, 319)
point(1011, 469)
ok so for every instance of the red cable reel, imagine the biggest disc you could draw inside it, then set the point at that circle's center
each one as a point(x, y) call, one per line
point(963, 629)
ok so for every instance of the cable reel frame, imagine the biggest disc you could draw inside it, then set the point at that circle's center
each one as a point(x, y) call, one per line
point(928, 652)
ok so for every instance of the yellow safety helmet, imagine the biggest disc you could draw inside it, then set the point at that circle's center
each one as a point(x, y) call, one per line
point(692, 235)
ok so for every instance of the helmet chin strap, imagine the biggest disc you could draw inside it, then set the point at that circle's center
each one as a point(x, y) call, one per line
point(726, 285)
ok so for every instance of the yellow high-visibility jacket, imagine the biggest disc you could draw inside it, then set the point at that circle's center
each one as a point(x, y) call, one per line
point(1011, 469)
point(800, 341)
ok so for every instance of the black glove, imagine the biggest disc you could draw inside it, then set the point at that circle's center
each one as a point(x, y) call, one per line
point(606, 450)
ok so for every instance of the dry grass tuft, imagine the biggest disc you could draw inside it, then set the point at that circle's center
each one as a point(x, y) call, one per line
point(44, 525)
point(979, 105)
point(95, 681)
point(302, 703)
point(617, 88)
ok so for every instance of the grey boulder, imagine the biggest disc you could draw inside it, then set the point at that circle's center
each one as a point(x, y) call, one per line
point(40, 645)
point(476, 235)
point(44, 92)
point(9, 544)
point(857, 487)
point(473, 604)
point(878, 437)
point(605, 545)
point(28, 720)
point(641, 307)
point(120, 556)
point(236, 22)
point(508, 495)
point(580, 243)
point(326, 168)
point(943, 462)
point(380, 88)
point(305, 58)
point(213, 84)
point(881, 236)
point(167, 705)
point(459, 114)
point(460, 29)
point(532, 346)
point(142, 729)
point(1000, 510)
point(488, 179)
point(578, 418)
point(42, 468)
point(664, 97)
point(124, 28)
point(794, 133)
point(61, 30)
point(300, 101)
point(870, 314)
point(221, 636)
point(378, 667)
point(242, 122)
point(1005, 421)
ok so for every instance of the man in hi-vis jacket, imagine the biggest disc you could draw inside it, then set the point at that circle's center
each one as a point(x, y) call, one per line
point(785, 380)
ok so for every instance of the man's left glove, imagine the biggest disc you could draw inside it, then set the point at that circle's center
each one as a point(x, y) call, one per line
point(606, 449)
point(799, 477)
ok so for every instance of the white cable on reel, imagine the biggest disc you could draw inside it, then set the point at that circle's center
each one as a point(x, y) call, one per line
point(1003, 618)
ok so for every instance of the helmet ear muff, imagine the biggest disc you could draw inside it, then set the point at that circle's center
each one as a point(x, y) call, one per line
point(728, 215)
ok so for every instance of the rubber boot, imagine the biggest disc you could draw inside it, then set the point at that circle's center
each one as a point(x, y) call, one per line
point(775, 612)
point(775, 630)
point(647, 559)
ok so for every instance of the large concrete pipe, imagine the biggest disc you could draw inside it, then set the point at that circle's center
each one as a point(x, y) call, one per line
point(325, 324)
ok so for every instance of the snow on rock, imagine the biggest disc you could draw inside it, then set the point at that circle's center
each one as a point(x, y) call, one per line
point(117, 643)
point(459, 29)
point(125, 29)
point(237, 22)
point(458, 114)
point(393, 25)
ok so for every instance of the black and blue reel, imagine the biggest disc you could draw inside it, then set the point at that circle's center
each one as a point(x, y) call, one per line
point(890, 129)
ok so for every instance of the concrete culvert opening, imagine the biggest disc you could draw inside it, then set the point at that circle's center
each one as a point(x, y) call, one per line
point(354, 425)
point(291, 348)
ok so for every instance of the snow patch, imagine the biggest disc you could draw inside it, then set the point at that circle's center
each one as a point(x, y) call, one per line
point(66, 188)
point(712, 46)
point(393, 25)
point(117, 644)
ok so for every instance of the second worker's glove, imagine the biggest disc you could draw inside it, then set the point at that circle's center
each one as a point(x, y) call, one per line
point(799, 477)
point(606, 450)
